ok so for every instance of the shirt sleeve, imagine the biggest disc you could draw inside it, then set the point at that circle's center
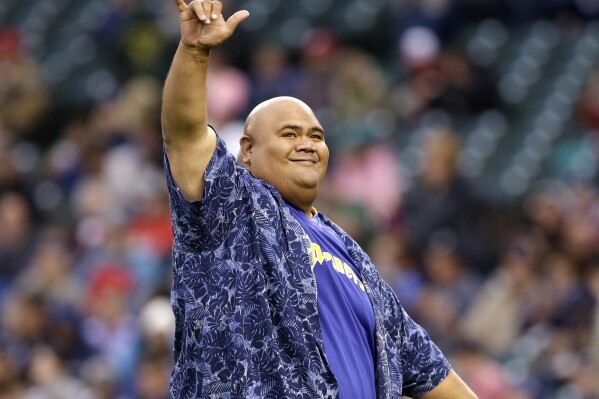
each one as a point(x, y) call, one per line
point(202, 224)
point(424, 366)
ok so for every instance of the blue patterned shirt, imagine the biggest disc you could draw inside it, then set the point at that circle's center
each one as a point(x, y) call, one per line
point(244, 298)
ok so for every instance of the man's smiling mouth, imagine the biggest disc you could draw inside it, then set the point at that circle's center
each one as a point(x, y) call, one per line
point(307, 162)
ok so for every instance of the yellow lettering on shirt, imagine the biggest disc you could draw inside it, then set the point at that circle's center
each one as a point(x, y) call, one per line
point(317, 256)
point(348, 271)
point(324, 258)
point(338, 264)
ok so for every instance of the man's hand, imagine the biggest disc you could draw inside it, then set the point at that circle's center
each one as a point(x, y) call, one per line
point(203, 25)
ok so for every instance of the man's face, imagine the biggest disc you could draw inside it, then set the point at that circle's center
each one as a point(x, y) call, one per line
point(288, 148)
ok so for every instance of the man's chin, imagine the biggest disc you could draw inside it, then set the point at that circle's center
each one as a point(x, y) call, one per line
point(308, 183)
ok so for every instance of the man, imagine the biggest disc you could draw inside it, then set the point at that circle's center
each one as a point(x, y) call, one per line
point(249, 323)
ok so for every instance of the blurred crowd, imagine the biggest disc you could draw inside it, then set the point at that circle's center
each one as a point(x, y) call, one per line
point(507, 286)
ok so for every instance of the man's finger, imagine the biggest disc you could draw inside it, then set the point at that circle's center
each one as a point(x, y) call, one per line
point(208, 10)
point(181, 6)
point(198, 8)
point(237, 18)
point(217, 8)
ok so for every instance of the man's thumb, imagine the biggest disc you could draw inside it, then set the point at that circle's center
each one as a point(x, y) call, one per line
point(237, 18)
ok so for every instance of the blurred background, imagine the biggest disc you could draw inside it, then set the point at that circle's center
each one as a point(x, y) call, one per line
point(463, 137)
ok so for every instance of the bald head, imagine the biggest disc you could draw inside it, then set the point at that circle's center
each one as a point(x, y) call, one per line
point(264, 119)
point(271, 108)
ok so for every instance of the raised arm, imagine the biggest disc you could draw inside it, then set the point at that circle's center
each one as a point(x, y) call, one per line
point(188, 140)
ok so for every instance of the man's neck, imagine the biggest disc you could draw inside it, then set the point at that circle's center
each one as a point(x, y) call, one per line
point(307, 208)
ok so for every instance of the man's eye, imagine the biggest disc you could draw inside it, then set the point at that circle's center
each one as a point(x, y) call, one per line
point(289, 134)
point(317, 137)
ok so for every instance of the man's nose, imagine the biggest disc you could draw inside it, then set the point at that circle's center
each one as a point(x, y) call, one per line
point(305, 144)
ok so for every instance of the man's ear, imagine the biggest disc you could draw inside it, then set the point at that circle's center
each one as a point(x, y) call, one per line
point(246, 145)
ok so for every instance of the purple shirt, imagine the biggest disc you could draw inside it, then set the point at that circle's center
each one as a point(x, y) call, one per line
point(344, 309)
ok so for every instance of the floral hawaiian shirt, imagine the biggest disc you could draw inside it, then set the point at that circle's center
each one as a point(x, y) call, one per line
point(244, 298)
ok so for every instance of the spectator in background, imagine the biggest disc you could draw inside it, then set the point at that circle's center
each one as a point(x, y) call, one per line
point(11, 384)
point(271, 73)
point(495, 316)
point(319, 59)
point(581, 210)
point(26, 324)
point(117, 17)
point(23, 97)
point(588, 105)
point(228, 96)
point(450, 288)
point(565, 216)
point(143, 45)
point(52, 379)
point(152, 377)
point(592, 280)
point(439, 79)
point(100, 377)
point(358, 87)
point(418, 51)
point(443, 17)
point(157, 326)
point(50, 277)
point(570, 303)
point(109, 328)
point(398, 265)
point(69, 158)
point(442, 200)
point(543, 210)
point(17, 235)
point(465, 89)
point(562, 318)
point(489, 378)
point(361, 175)
point(49, 273)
